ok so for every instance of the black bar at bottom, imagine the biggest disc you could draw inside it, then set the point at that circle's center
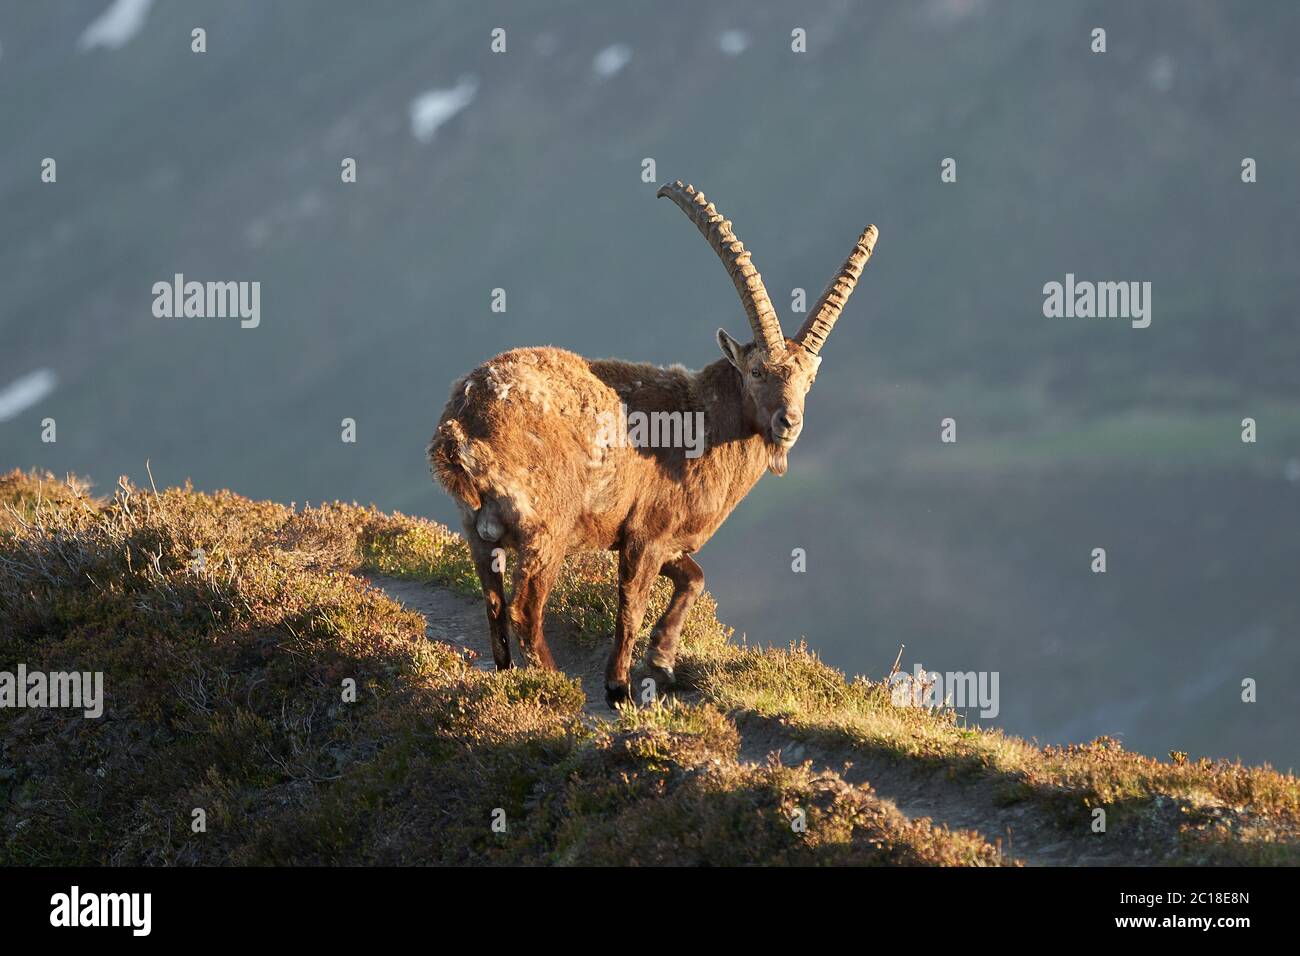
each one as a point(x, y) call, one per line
point(335, 906)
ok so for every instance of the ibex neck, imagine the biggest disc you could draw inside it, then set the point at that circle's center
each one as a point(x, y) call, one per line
point(735, 445)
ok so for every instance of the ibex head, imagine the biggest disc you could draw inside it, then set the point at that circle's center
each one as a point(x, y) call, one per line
point(777, 372)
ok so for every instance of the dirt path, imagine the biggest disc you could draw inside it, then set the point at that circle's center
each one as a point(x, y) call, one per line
point(462, 621)
point(1022, 829)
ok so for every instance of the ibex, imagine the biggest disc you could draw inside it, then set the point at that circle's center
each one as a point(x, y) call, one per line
point(518, 448)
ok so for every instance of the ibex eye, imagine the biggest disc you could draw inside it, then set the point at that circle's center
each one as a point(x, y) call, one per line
point(756, 372)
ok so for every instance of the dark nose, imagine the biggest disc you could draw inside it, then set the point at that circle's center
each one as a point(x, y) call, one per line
point(789, 419)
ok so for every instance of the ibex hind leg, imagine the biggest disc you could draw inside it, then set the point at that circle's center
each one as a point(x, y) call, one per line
point(539, 565)
point(489, 561)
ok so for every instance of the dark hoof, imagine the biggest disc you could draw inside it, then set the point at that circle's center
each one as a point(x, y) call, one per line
point(616, 695)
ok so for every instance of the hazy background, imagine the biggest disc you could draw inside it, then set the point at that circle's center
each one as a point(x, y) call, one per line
point(522, 171)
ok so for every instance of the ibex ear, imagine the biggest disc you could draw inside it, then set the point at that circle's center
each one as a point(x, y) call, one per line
point(732, 349)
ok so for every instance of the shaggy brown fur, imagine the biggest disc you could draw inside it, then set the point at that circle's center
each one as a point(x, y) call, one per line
point(522, 448)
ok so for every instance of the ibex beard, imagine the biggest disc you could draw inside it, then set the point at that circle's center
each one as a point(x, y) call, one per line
point(516, 449)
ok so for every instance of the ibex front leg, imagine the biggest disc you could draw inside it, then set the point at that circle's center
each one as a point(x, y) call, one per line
point(638, 566)
point(688, 582)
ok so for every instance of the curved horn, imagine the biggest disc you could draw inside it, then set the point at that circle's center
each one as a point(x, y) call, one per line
point(822, 316)
point(749, 284)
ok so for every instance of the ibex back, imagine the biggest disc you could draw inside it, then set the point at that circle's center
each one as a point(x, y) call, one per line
point(524, 447)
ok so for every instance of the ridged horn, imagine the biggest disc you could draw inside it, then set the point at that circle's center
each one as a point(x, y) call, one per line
point(749, 284)
point(822, 316)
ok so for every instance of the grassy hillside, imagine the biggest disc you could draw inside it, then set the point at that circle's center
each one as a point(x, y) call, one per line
point(377, 295)
point(226, 629)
